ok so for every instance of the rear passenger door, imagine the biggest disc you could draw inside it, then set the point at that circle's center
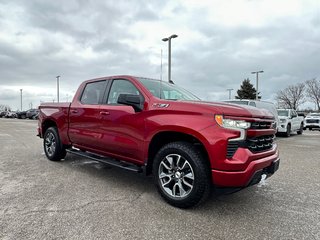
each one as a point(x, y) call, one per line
point(85, 116)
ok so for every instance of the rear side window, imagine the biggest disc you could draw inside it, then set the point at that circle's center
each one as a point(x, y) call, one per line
point(93, 92)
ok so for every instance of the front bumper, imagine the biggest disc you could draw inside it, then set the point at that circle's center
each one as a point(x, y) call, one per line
point(251, 175)
point(312, 125)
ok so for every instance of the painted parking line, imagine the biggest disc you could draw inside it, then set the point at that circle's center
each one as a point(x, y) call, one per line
point(5, 135)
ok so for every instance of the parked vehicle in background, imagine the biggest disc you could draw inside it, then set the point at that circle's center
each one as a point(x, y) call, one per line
point(150, 126)
point(259, 104)
point(290, 122)
point(35, 117)
point(301, 114)
point(11, 114)
point(312, 121)
point(22, 114)
point(3, 114)
point(32, 113)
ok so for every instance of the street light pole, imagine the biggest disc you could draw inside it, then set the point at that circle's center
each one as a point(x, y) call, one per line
point(21, 99)
point(58, 78)
point(229, 89)
point(169, 54)
point(257, 82)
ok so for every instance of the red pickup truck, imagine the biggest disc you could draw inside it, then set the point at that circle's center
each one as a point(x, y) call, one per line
point(151, 126)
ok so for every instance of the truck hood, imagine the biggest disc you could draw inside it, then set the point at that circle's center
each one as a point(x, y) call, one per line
point(227, 109)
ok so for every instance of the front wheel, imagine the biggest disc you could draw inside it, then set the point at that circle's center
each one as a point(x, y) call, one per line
point(288, 132)
point(182, 174)
point(52, 145)
point(301, 129)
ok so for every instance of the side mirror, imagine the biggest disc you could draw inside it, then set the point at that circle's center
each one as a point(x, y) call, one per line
point(131, 100)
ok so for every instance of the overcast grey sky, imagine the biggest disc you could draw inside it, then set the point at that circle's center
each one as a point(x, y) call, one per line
point(219, 44)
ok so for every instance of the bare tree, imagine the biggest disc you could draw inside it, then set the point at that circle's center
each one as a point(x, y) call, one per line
point(4, 107)
point(292, 96)
point(313, 91)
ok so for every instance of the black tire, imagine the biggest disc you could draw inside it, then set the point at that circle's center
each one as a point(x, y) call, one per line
point(189, 177)
point(52, 145)
point(288, 132)
point(300, 131)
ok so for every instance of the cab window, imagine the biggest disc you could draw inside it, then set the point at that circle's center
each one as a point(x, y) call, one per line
point(93, 92)
point(121, 86)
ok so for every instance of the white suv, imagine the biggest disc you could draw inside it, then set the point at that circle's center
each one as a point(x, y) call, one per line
point(312, 120)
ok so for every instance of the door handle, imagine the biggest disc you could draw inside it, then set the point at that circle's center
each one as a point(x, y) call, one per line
point(104, 113)
point(74, 111)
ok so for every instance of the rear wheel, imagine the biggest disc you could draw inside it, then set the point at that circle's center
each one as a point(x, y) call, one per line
point(52, 145)
point(181, 174)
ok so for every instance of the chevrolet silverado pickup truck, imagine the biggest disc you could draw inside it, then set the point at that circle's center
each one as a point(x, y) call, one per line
point(144, 125)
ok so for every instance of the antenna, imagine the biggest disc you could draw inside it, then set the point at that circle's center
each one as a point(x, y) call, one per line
point(161, 76)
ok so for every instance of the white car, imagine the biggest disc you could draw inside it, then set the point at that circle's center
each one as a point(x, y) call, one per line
point(312, 120)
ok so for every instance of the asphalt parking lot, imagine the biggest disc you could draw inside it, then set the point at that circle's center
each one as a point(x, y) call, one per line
point(82, 199)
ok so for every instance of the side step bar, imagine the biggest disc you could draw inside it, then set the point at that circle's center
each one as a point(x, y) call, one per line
point(106, 160)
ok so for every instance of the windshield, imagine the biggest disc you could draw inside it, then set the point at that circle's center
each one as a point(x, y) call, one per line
point(283, 113)
point(164, 90)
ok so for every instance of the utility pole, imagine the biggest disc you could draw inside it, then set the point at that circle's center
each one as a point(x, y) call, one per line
point(21, 99)
point(58, 78)
point(257, 82)
point(169, 54)
point(229, 89)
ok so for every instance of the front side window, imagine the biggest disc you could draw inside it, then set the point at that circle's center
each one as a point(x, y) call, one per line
point(93, 92)
point(121, 87)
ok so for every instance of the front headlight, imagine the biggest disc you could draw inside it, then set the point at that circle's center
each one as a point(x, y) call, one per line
point(231, 123)
point(283, 120)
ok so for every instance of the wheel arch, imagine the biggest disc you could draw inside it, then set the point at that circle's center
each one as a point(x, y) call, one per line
point(164, 137)
point(46, 124)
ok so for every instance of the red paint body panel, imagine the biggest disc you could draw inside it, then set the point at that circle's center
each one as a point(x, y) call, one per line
point(119, 131)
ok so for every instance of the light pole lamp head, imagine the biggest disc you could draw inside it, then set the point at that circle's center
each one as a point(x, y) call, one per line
point(57, 76)
point(257, 72)
point(173, 36)
point(165, 39)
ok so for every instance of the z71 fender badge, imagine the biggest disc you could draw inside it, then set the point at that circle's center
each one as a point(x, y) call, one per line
point(160, 105)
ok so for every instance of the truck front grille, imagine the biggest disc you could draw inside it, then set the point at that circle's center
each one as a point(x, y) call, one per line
point(312, 121)
point(255, 145)
point(258, 144)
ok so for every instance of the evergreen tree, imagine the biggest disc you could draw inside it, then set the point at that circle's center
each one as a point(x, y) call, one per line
point(246, 91)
